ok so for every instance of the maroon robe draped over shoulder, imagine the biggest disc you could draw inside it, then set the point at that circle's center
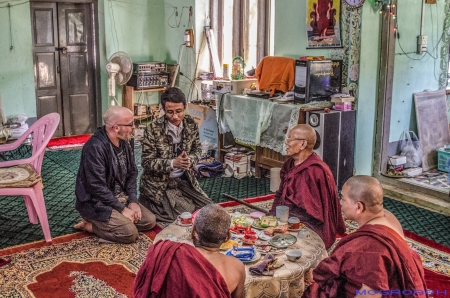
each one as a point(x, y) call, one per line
point(376, 256)
point(173, 269)
point(309, 190)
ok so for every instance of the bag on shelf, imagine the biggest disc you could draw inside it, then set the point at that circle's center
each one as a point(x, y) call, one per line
point(410, 147)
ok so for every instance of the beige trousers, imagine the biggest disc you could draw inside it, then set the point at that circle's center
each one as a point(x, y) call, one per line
point(122, 230)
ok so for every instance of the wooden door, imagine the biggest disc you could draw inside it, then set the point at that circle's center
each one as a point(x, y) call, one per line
point(66, 63)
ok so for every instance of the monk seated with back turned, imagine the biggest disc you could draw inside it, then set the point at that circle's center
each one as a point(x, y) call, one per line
point(173, 269)
point(373, 261)
point(308, 188)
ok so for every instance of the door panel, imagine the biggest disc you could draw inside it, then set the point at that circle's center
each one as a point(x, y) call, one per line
point(48, 104)
point(63, 53)
point(46, 60)
point(79, 118)
point(46, 71)
point(74, 23)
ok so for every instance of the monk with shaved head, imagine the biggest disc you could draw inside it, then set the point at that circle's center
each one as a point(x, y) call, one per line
point(373, 261)
point(106, 182)
point(175, 269)
point(307, 186)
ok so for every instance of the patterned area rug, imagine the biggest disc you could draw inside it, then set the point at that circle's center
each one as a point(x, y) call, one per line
point(433, 179)
point(77, 265)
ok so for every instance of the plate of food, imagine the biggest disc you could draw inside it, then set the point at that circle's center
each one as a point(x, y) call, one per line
point(269, 249)
point(263, 236)
point(283, 240)
point(255, 258)
point(265, 222)
point(229, 244)
point(272, 231)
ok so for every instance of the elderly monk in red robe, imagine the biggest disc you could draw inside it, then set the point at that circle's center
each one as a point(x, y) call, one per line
point(308, 188)
point(173, 269)
point(373, 261)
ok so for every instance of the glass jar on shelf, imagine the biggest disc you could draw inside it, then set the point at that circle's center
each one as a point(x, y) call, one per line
point(237, 72)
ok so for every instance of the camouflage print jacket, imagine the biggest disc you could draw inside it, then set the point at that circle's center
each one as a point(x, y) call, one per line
point(157, 156)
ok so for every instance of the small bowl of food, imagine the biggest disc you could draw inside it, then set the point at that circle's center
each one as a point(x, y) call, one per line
point(293, 255)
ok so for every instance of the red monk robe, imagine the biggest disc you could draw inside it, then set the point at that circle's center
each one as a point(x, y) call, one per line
point(376, 256)
point(173, 269)
point(309, 190)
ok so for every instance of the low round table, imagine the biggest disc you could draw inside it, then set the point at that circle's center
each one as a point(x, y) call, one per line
point(287, 281)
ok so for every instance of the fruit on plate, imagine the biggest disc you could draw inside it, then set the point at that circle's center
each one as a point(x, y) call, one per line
point(268, 221)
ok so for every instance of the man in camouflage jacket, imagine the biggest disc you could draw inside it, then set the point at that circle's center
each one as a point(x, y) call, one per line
point(170, 151)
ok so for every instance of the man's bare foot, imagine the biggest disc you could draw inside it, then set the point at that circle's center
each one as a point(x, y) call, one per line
point(83, 225)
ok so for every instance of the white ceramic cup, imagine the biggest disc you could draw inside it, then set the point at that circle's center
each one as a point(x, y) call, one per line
point(282, 213)
point(185, 218)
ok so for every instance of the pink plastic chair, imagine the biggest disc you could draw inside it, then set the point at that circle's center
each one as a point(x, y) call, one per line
point(41, 132)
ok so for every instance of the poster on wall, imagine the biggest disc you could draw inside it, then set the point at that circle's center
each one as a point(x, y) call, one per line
point(323, 23)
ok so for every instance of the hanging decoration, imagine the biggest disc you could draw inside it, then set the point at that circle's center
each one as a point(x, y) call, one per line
point(443, 74)
point(378, 4)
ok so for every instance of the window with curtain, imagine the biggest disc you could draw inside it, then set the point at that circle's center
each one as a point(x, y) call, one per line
point(243, 28)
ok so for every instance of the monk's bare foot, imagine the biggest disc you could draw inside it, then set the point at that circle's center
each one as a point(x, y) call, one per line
point(83, 225)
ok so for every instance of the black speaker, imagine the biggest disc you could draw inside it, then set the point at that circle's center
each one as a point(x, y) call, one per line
point(335, 132)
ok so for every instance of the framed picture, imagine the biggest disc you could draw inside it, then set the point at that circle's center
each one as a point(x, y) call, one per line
point(323, 23)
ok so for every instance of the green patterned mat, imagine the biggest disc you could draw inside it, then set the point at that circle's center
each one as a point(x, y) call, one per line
point(59, 172)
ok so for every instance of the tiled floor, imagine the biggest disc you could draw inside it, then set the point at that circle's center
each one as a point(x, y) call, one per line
point(59, 173)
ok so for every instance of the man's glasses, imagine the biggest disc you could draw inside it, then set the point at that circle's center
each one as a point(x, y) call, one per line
point(129, 125)
point(171, 113)
point(289, 139)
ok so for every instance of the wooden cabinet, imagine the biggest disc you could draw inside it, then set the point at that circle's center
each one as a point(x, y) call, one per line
point(128, 98)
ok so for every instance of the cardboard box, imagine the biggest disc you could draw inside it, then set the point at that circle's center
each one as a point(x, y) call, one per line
point(222, 86)
point(343, 106)
point(205, 117)
point(341, 98)
point(233, 87)
point(397, 160)
point(237, 86)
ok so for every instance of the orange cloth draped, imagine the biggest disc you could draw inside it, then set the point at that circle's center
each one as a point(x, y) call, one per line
point(309, 190)
point(173, 269)
point(376, 256)
point(276, 73)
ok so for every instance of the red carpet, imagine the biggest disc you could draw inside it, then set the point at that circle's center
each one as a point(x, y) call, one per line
point(67, 142)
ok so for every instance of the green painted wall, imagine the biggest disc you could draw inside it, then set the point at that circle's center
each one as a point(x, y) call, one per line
point(290, 41)
point(414, 72)
point(16, 65)
point(136, 29)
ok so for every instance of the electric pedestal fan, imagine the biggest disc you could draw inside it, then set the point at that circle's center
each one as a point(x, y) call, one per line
point(120, 69)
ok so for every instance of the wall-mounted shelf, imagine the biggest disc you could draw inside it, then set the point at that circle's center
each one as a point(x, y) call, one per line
point(128, 98)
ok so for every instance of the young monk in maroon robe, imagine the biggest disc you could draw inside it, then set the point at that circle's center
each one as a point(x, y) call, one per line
point(373, 261)
point(308, 188)
point(173, 269)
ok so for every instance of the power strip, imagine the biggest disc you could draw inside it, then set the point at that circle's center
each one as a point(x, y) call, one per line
point(422, 41)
